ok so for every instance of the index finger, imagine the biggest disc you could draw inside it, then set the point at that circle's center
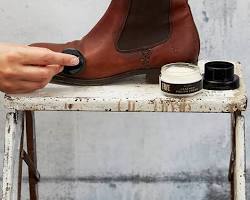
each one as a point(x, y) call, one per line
point(43, 56)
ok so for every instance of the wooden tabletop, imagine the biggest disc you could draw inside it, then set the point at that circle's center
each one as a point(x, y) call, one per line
point(130, 95)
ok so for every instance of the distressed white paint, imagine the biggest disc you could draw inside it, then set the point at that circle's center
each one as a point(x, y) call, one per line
point(240, 162)
point(118, 139)
point(131, 96)
point(13, 131)
point(208, 101)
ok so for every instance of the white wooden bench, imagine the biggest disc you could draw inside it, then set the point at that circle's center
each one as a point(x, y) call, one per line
point(131, 95)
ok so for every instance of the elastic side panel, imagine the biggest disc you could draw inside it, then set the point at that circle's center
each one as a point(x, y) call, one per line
point(147, 24)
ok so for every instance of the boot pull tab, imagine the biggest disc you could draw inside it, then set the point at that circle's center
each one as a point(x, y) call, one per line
point(72, 70)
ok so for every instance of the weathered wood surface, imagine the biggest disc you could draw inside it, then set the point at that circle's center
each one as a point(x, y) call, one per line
point(240, 160)
point(13, 131)
point(132, 95)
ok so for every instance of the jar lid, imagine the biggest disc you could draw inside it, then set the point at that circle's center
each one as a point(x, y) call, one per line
point(72, 70)
point(219, 75)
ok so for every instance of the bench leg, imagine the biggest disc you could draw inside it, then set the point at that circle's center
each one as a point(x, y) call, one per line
point(32, 155)
point(237, 174)
point(13, 138)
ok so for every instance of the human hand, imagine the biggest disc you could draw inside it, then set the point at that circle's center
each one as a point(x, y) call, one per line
point(25, 69)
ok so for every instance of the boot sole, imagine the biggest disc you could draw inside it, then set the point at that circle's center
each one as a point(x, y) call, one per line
point(152, 77)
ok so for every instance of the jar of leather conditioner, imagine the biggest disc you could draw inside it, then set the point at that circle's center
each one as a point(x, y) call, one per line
point(181, 79)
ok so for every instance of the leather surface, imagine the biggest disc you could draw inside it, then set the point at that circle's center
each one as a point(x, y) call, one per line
point(147, 25)
point(100, 45)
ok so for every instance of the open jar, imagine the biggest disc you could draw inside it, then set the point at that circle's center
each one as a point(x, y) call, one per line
point(181, 79)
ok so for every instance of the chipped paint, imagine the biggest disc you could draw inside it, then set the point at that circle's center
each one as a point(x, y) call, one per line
point(13, 129)
point(240, 161)
point(134, 97)
point(131, 106)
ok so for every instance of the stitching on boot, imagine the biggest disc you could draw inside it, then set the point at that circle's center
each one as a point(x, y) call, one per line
point(146, 56)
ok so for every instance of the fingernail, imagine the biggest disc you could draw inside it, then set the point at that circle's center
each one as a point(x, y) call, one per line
point(75, 61)
point(61, 69)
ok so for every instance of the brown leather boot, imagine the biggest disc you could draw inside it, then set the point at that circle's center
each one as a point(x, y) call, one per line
point(133, 37)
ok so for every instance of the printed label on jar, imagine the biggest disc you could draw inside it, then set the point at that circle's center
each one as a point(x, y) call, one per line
point(181, 88)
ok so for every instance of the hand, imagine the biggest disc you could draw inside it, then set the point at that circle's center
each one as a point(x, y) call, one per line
point(25, 69)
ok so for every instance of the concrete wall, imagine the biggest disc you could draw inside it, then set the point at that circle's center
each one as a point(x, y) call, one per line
point(95, 156)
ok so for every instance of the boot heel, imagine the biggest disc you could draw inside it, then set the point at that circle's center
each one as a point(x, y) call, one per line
point(153, 77)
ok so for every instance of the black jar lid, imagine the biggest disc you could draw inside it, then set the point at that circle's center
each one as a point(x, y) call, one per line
point(72, 70)
point(219, 75)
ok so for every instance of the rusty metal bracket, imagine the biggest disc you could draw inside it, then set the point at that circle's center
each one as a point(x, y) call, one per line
point(31, 149)
point(233, 145)
point(231, 167)
point(31, 165)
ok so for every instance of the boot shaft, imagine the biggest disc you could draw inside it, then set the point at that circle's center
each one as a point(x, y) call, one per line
point(147, 23)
